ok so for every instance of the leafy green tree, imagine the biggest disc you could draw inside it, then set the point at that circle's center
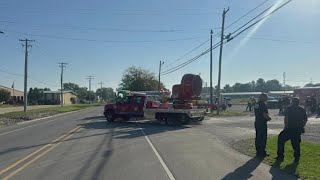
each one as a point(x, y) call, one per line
point(261, 85)
point(4, 95)
point(273, 85)
point(107, 93)
point(227, 88)
point(71, 86)
point(138, 79)
point(35, 96)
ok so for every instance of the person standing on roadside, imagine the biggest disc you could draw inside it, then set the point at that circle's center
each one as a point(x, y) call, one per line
point(294, 121)
point(260, 124)
point(249, 107)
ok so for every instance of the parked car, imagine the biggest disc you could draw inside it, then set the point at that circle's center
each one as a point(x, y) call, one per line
point(272, 102)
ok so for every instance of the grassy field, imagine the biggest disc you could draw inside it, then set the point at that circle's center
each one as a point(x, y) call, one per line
point(37, 113)
point(307, 168)
point(8, 105)
point(226, 114)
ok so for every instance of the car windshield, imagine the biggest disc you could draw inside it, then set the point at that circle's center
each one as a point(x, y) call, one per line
point(159, 89)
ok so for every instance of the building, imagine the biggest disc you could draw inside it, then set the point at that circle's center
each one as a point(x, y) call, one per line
point(54, 97)
point(16, 95)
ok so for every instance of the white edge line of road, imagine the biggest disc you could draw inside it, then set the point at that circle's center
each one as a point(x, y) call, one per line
point(165, 167)
point(57, 115)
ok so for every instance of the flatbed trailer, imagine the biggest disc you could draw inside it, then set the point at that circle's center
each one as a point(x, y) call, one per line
point(176, 116)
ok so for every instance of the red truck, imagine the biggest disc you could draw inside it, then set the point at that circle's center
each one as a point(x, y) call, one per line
point(180, 111)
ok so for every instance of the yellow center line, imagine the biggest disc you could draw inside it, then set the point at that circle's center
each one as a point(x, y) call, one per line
point(39, 150)
point(32, 154)
point(39, 156)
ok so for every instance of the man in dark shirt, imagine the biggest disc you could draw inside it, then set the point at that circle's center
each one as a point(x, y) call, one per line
point(260, 124)
point(294, 121)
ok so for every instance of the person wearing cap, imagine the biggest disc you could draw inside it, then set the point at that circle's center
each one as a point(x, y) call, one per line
point(260, 124)
point(294, 121)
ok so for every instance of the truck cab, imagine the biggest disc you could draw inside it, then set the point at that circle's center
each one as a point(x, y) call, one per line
point(126, 106)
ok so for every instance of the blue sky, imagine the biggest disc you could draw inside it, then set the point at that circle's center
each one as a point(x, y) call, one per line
point(103, 38)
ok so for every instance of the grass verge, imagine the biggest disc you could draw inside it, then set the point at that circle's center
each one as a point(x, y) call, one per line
point(227, 114)
point(307, 168)
point(15, 117)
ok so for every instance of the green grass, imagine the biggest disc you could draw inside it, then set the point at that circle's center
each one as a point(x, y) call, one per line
point(307, 168)
point(52, 110)
point(226, 114)
point(8, 105)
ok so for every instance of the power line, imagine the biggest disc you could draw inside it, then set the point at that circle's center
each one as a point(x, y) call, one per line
point(180, 58)
point(21, 75)
point(219, 32)
point(107, 41)
point(190, 60)
point(261, 19)
point(247, 13)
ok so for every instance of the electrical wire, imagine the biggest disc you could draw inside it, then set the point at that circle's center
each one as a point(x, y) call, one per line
point(205, 52)
point(107, 41)
point(21, 75)
point(243, 16)
point(261, 19)
point(247, 14)
point(180, 58)
point(190, 60)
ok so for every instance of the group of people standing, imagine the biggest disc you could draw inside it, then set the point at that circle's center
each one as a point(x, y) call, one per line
point(294, 122)
point(311, 105)
point(251, 103)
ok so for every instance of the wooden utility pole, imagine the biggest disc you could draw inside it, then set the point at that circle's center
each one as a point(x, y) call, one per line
point(25, 95)
point(90, 78)
point(220, 59)
point(62, 65)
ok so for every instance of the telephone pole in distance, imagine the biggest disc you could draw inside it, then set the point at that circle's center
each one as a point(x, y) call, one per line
point(284, 82)
point(211, 89)
point(100, 91)
point(62, 65)
point(90, 78)
point(25, 95)
point(159, 83)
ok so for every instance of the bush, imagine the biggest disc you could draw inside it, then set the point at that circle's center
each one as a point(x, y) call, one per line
point(4, 95)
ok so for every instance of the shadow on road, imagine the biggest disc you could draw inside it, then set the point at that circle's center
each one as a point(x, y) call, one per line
point(244, 172)
point(132, 129)
point(278, 174)
point(124, 130)
point(94, 118)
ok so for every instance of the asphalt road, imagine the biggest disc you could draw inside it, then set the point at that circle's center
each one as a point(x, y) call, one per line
point(83, 145)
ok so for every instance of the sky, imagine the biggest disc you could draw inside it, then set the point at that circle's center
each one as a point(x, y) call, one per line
point(103, 38)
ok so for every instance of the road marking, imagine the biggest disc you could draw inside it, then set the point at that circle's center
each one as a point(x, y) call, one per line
point(37, 151)
point(165, 167)
point(39, 156)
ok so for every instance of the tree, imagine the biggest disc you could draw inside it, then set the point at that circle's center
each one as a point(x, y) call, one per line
point(273, 85)
point(4, 95)
point(227, 88)
point(35, 96)
point(107, 93)
point(71, 86)
point(46, 89)
point(138, 79)
point(261, 85)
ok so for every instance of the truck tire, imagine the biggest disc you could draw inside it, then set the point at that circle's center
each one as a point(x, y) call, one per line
point(184, 119)
point(110, 116)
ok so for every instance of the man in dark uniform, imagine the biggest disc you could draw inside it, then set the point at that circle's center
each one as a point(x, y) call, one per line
point(260, 124)
point(294, 121)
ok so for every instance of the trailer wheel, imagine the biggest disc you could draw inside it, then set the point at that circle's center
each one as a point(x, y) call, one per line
point(184, 119)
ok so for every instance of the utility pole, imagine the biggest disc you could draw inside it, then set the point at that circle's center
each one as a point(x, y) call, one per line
point(100, 90)
point(62, 65)
point(220, 58)
point(159, 84)
point(90, 78)
point(211, 89)
point(284, 82)
point(25, 95)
